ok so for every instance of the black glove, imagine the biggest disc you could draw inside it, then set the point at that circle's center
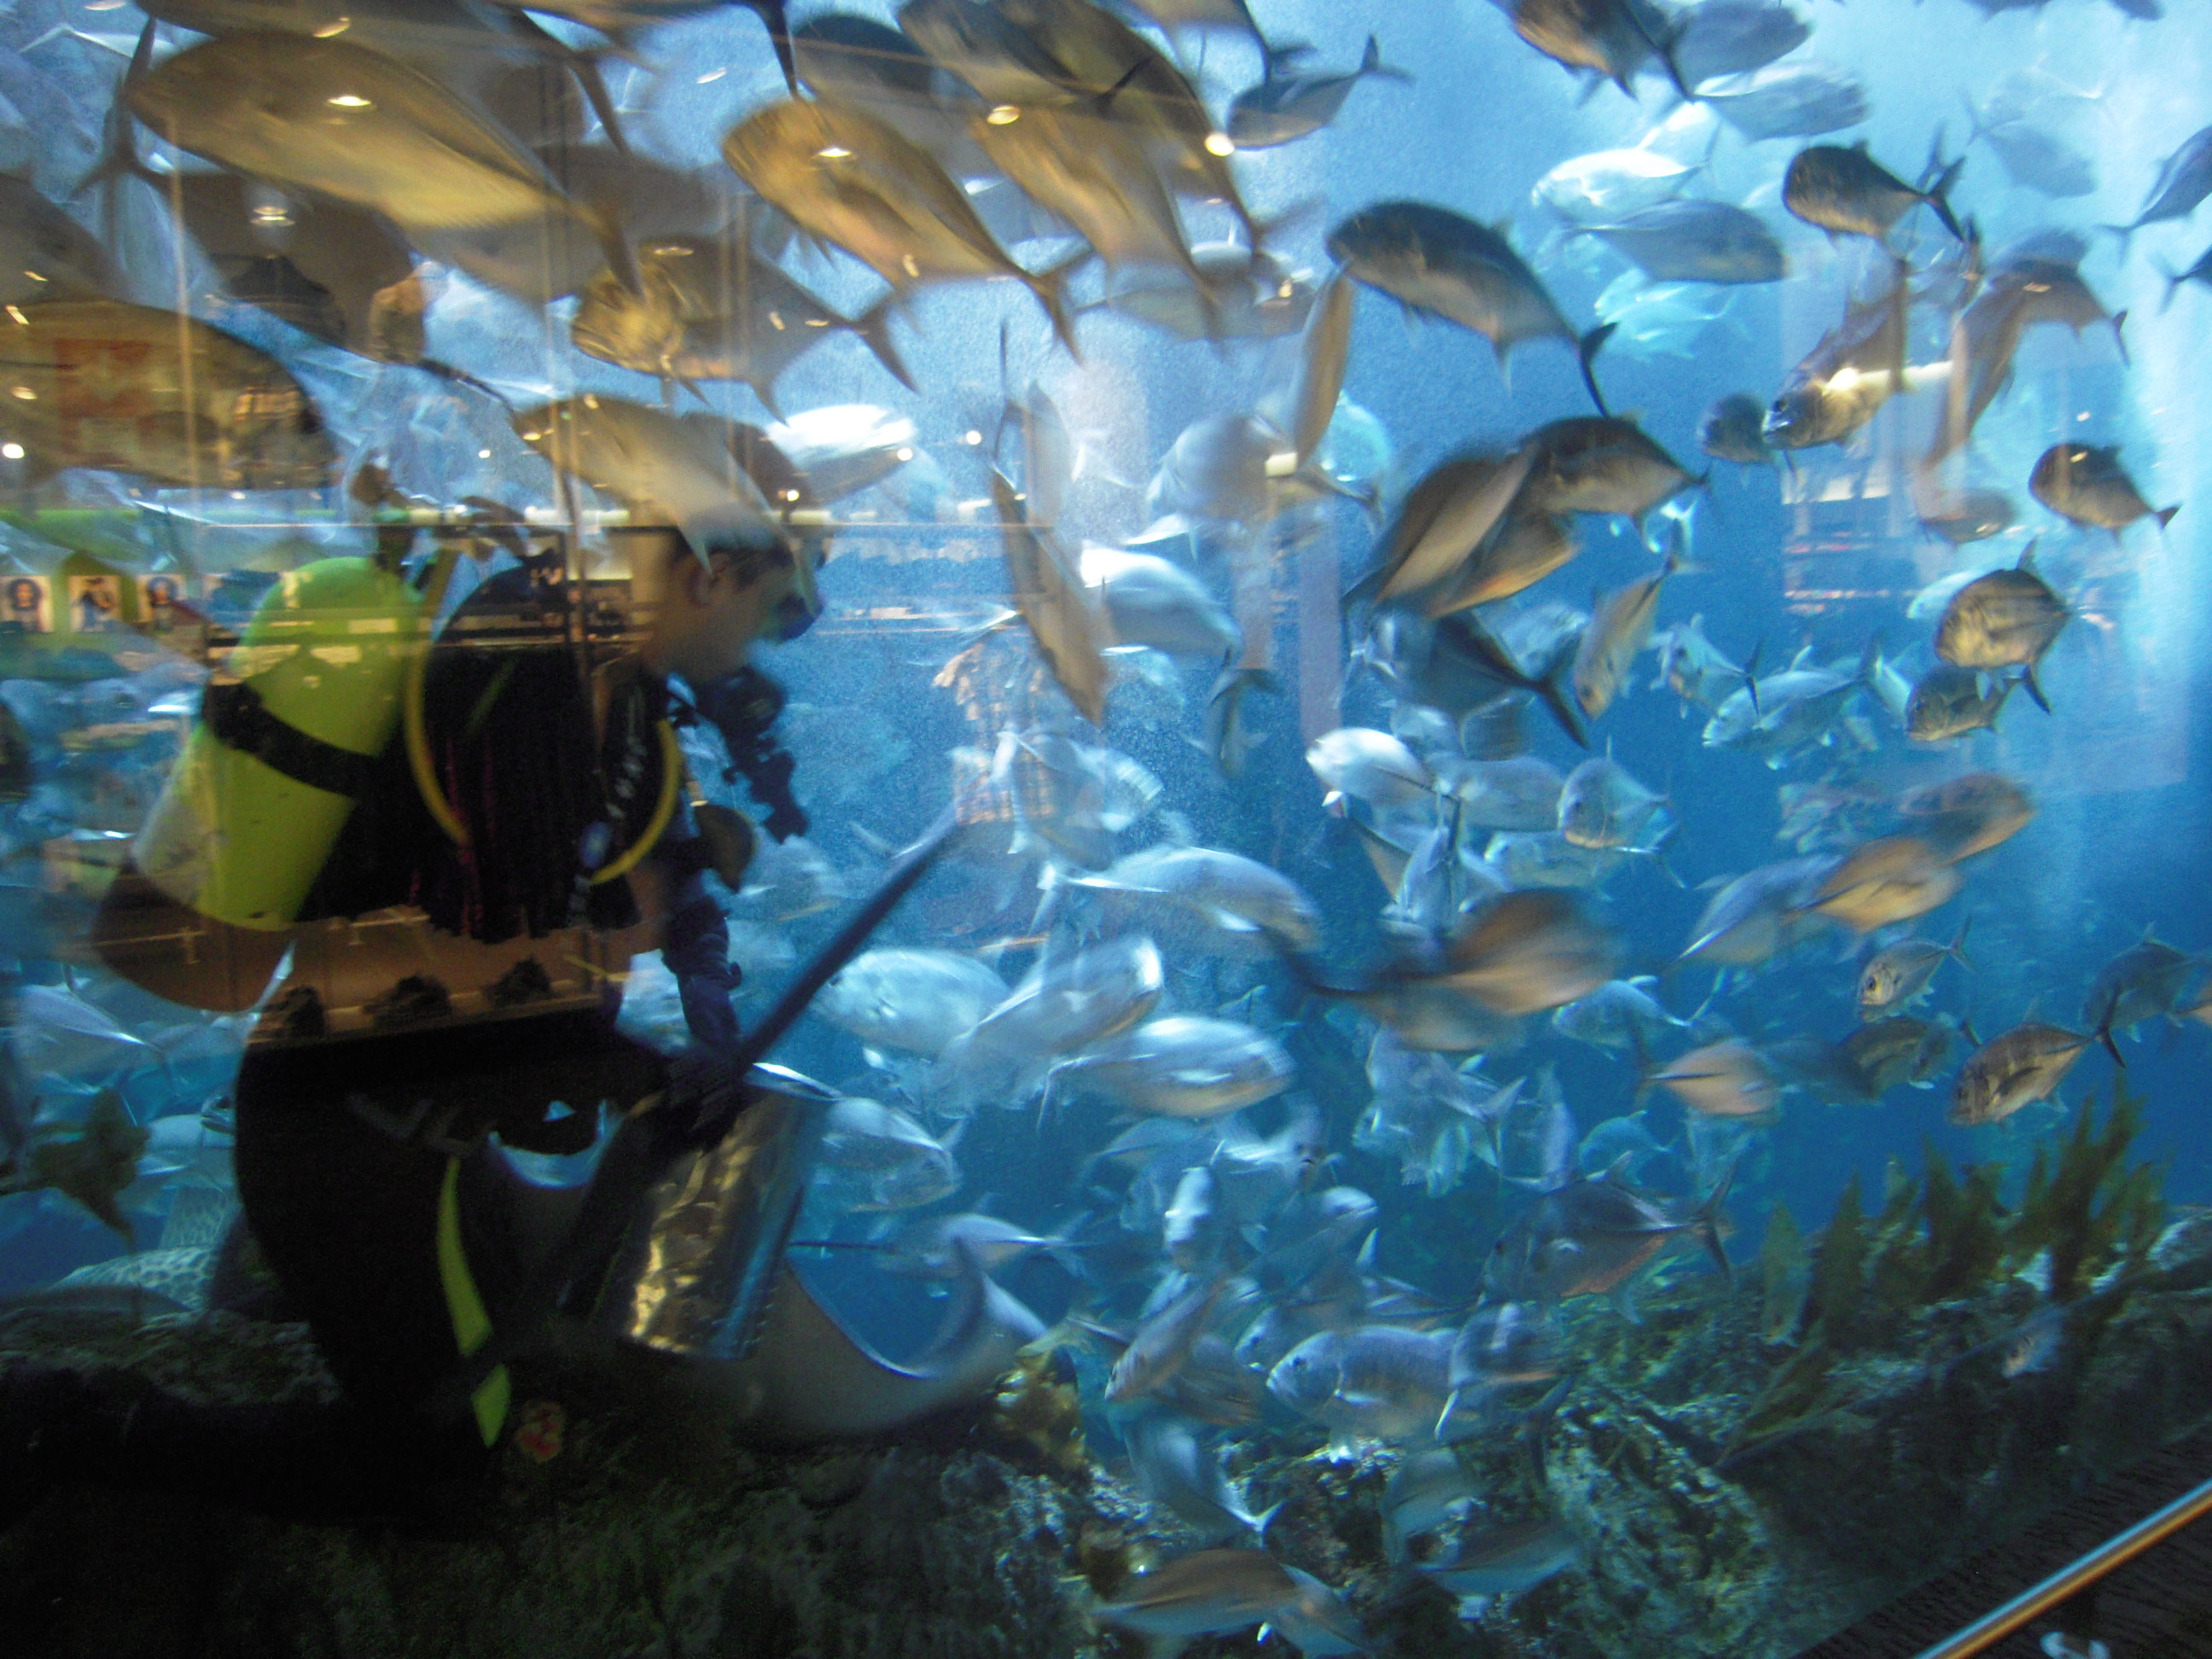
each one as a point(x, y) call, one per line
point(743, 708)
point(702, 1101)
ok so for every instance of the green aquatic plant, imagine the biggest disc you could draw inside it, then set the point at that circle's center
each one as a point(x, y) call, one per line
point(1947, 1236)
point(2088, 1208)
point(1831, 1306)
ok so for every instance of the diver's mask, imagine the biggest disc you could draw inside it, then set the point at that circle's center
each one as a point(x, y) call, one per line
point(795, 611)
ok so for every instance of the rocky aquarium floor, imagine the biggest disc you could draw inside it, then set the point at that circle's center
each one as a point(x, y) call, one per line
point(1741, 1483)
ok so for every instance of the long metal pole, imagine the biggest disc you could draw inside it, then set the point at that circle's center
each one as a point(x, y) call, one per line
point(1993, 1627)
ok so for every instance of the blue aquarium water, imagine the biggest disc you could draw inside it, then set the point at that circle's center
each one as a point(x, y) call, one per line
point(1565, 1014)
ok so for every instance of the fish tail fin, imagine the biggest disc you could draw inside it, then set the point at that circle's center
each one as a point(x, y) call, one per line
point(1586, 350)
point(1261, 1521)
point(1939, 196)
point(1956, 950)
point(1274, 54)
point(2120, 340)
point(1708, 1223)
point(604, 221)
point(1363, 591)
point(1975, 131)
point(2034, 688)
point(1555, 699)
point(2125, 232)
point(1370, 63)
point(2105, 1035)
point(118, 158)
point(775, 18)
point(2165, 514)
point(1050, 285)
point(874, 326)
point(582, 64)
point(1664, 43)
point(2174, 282)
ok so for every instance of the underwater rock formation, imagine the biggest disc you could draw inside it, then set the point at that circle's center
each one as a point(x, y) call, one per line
point(1735, 1481)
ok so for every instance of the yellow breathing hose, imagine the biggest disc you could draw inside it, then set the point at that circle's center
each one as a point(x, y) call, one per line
point(411, 710)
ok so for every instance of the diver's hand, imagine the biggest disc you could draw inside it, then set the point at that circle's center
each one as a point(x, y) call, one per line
point(702, 1100)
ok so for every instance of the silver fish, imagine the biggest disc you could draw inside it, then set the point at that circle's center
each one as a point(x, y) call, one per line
point(1222, 1591)
point(1756, 915)
point(1064, 622)
point(1622, 1013)
point(1241, 295)
point(1686, 240)
point(875, 1157)
point(1282, 108)
point(1722, 1080)
point(1592, 1236)
point(1374, 1382)
point(917, 1000)
point(1619, 628)
point(1799, 99)
point(1150, 601)
point(2144, 981)
point(657, 464)
point(1175, 1470)
point(1897, 975)
point(1731, 37)
point(2185, 178)
point(2018, 1067)
point(1521, 793)
point(1227, 888)
point(1182, 1066)
point(1613, 183)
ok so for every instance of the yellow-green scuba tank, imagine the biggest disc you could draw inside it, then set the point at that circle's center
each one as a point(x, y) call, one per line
point(287, 732)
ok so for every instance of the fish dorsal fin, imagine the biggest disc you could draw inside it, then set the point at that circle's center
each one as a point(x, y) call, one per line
point(1804, 655)
point(2027, 557)
point(1859, 145)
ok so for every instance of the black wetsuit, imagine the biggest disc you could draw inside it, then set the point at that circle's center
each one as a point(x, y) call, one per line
point(366, 1166)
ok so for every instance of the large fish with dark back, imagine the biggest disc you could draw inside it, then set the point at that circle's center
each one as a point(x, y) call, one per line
point(1688, 240)
point(2086, 483)
point(1844, 190)
point(1441, 264)
point(1856, 369)
point(2006, 619)
point(851, 178)
point(338, 120)
point(162, 396)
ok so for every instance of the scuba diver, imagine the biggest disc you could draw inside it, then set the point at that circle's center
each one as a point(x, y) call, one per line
point(457, 849)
